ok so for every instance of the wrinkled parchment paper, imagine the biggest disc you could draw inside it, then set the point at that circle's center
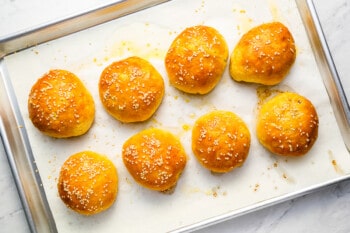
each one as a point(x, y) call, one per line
point(199, 194)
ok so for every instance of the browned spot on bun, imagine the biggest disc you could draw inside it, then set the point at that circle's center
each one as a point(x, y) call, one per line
point(155, 158)
point(88, 183)
point(196, 59)
point(131, 90)
point(60, 106)
point(287, 124)
point(220, 141)
point(263, 55)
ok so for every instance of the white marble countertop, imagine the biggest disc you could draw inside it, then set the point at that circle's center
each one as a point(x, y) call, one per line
point(322, 211)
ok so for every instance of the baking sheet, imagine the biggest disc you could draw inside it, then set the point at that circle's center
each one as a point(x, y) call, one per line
point(199, 195)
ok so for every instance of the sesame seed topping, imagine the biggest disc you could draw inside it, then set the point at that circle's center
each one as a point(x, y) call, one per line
point(219, 140)
point(56, 100)
point(296, 136)
point(81, 179)
point(154, 157)
point(130, 86)
point(192, 60)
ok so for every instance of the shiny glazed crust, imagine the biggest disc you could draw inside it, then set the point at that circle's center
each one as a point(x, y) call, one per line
point(155, 158)
point(220, 141)
point(131, 90)
point(60, 106)
point(287, 124)
point(263, 55)
point(88, 183)
point(196, 59)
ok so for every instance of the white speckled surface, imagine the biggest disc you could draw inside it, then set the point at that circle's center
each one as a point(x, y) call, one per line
point(322, 211)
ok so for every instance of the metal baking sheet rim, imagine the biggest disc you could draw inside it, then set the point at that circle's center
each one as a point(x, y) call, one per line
point(15, 139)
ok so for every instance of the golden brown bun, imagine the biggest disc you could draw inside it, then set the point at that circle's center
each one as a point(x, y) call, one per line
point(196, 59)
point(287, 124)
point(263, 55)
point(60, 106)
point(220, 141)
point(131, 90)
point(155, 158)
point(88, 183)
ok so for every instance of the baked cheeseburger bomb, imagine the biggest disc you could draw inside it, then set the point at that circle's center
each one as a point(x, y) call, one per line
point(88, 183)
point(60, 106)
point(220, 141)
point(287, 124)
point(263, 55)
point(155, 158)
point(196, 59)
point(131, 89)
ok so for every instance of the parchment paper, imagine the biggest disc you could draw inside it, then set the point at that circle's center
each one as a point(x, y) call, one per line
point(199, 194)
